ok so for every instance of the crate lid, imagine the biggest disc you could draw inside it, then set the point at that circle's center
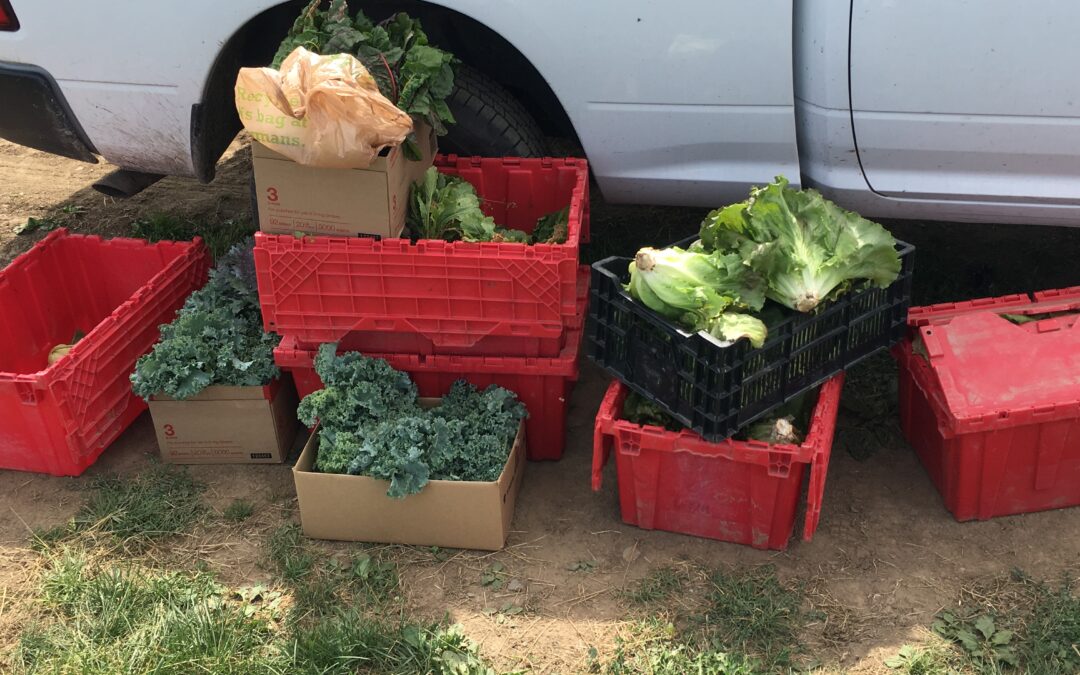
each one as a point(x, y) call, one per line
point(994, 373)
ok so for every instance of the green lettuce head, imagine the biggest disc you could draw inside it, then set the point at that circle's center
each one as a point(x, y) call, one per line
point(805, 247)
point(693, 288)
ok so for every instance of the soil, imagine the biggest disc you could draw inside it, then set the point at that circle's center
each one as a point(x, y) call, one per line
point(886, 556)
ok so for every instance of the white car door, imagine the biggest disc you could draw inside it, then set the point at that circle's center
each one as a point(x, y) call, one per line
point(683, 102)
point(968, 100)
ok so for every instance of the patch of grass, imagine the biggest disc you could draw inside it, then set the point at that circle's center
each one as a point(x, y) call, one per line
point(657, 586)
point(348, 642)
point(751, 612)
point(1051, 639)
point(653, 649)
point(1015, 623)
point(321, 583)
point(289, 553)
point(219, 236)
point(102, 620)
point(160, 502)
point(239, 510)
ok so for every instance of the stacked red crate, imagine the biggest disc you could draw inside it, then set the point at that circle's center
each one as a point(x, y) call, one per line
point(442, 309)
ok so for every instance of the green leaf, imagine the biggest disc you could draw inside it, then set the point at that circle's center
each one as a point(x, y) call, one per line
point(1002, 637)
point(985, 625)
point(967, 639)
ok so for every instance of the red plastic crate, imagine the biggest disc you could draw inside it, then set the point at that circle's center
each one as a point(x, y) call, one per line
point(58, 419)
point(993, 412)
point(437, 297)
point(745, 492)
point(544, 385)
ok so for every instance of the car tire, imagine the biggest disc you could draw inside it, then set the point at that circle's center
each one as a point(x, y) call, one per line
point(490, 122)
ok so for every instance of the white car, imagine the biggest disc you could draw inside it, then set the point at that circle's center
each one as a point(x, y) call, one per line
point(955, 110)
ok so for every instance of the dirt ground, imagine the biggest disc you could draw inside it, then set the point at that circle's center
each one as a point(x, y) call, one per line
point(886, 557)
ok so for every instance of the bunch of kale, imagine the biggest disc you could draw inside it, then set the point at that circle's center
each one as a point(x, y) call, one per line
point(217, 337)
point(371, 424)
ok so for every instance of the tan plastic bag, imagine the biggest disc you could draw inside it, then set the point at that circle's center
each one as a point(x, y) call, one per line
point(323, 111)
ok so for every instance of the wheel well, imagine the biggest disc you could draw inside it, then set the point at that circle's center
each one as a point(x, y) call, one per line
point(214, 122)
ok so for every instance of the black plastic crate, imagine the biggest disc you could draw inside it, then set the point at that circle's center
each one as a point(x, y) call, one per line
point(716, 390)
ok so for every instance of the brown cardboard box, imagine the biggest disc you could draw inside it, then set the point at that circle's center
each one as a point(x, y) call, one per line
point(227, 425)
point(451, 514)
point(338, 202)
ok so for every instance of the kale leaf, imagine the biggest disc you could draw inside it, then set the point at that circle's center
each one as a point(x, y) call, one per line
point(371, 424)
point(217, 337)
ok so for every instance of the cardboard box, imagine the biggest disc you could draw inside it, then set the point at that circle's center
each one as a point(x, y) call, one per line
point(228, 425)
point(450, 514)
point(338, 202)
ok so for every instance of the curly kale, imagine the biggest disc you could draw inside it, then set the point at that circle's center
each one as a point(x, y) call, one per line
point(359, 392)
point(217, 337)
point(371, 424)
point(416, 76)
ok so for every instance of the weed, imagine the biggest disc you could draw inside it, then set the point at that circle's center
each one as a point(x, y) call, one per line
point(581, 566)
point(239, 510)
point(372, 579)
point(987, 646)
point(161, 502)
point(219, 237)
point(348, 642)
point(932, 660)
point(44, 224)
point(494, 576)
point(657, 586)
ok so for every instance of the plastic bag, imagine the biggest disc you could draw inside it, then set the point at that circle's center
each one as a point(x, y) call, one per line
point(323, 111)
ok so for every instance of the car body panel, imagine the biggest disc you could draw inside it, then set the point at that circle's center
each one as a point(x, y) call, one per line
point(968, 100)
point(659, 120)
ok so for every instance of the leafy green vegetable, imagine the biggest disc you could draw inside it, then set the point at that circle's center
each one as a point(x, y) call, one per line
point(552, 228)
point(639, 410)
point(413, 74)
point(692, 288)
point(216, 338)
point(447, 207)
point(371, 424)
point(358, 393)
point(805, 247)
point(730, 327)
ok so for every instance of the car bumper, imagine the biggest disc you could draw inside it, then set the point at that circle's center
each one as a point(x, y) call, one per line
point(34, 113)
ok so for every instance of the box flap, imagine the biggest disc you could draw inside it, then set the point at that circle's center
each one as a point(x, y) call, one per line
point(220, 392)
